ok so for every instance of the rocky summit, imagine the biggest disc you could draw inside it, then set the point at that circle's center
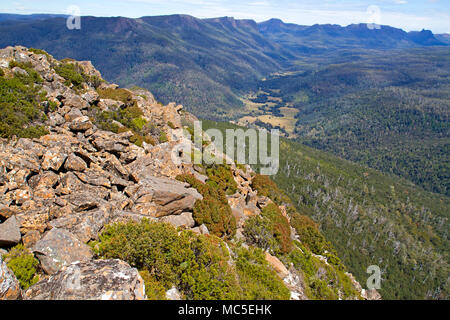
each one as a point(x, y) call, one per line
point(91, 158)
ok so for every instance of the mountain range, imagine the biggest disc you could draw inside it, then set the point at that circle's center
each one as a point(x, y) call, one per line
point(206, 64)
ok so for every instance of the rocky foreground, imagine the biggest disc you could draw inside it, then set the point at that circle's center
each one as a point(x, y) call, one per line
point(58, 191)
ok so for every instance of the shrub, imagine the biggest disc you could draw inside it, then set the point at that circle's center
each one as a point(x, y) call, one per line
point(23, 264)
point(214, 210)
point(71, 72)
point(131, 120)
point(267, 188)
point(2, 73)
point(310, 235)
point(258, 281)
point(322, 281)
point(93, 81)
point(270, 230)
point(197, 265)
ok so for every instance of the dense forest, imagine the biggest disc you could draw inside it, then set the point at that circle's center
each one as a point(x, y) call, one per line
point(371, 218)
point(379, 111)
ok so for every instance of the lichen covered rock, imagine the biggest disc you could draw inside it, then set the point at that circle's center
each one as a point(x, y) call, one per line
point(91, 280)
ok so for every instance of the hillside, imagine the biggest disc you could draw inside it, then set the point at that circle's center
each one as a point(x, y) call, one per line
point(371, 219)
point(93, 204)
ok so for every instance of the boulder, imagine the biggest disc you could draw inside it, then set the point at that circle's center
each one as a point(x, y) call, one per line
point(53, 159)
point(9, 233)
point(9, 285)
point(58, 248)
point(75, 101)
point(46, 179)
point(74, 163)
point(173, 294)
point(85, 226)
point(91, 280)
point(184, 220)
point(201, 230)
point(370, 294)
point(110, 142)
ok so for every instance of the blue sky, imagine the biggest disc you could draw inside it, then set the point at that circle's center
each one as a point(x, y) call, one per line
point(405, 14)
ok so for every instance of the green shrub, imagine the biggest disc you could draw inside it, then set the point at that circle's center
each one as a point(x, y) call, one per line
point(257, 279)
point(214, 210)
point(2, 73)
point(39, 51)
point(131, 120)
point(23, 264)
point(270, 230)
point(197, 265)
point(322, 281)
point(163, 137)
point(93, 81)
point(72, 73)
point(267, 188)
point(221, 177)
point(310, 236)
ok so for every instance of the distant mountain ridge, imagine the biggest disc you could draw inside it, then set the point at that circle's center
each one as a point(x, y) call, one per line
point(206, 64)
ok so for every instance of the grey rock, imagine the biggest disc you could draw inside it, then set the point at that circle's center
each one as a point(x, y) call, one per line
point(9, 285)
point(75, 101)
point(183, 220)
point(159, 197)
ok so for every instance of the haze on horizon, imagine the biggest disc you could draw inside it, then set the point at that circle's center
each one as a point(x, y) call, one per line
point(405, 14)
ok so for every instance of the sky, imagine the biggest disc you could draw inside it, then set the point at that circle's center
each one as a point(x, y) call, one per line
point(406, 14)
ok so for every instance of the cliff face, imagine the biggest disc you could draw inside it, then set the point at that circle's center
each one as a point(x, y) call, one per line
point(79, 154)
